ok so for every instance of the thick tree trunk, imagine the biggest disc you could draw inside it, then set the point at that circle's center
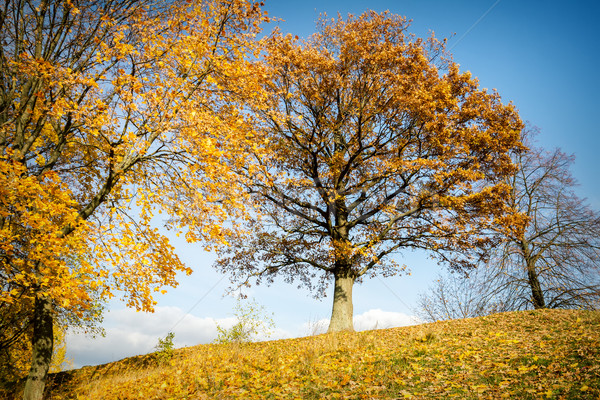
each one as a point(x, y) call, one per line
point(342, 312)
point(42, 345)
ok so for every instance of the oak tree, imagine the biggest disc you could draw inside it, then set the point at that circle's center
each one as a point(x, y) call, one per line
point(377, 144)
point(111, 109)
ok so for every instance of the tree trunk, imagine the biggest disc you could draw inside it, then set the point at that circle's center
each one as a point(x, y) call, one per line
point(536, 289)
point(342, 313)
point(532, 277)
point(42, 345)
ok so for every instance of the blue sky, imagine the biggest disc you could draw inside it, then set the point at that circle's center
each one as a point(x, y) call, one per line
point(542, 56)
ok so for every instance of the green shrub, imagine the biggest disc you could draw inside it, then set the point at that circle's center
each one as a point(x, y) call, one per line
point(252, 320)
point(164, 348)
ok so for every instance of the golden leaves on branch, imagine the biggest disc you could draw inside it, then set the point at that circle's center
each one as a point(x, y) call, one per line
point(34, 211)
point(374, 142)
point(141, 109)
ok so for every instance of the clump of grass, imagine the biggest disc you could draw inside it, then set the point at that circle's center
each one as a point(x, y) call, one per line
point(425, 335)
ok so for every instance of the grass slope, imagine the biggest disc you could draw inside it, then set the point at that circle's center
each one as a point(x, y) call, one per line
point(549, 354)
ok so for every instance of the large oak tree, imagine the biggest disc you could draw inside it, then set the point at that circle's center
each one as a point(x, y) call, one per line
point(377, 143)
point(106, 105)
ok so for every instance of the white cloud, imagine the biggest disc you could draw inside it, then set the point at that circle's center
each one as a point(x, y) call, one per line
point(372, 319)
point(379, 319)
point(130, 333)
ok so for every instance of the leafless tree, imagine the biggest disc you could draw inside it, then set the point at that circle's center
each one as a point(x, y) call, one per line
point(480, 292)
point(553, 263)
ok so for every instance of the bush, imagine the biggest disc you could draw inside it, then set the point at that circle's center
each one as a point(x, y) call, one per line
point(164, 348)
point(252, 320)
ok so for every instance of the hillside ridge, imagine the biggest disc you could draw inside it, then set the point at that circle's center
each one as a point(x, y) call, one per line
point(550, 354)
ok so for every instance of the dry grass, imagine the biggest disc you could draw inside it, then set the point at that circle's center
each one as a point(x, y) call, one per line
point(550, 354)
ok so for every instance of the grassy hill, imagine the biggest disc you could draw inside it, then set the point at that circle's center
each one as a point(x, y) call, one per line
point(547, 354)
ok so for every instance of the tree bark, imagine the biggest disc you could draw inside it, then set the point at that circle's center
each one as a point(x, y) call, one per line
point(532, 276)
point(536, 289)
point(42, 345)
point(342, 312)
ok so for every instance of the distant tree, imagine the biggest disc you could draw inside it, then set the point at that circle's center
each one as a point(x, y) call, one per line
point(107, 105)
point(165, 348)
point(553, 263)
point(372, 150)
point(458, 295)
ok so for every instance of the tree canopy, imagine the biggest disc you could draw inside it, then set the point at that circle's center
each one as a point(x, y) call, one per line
point(109, 106)
point(377, 143)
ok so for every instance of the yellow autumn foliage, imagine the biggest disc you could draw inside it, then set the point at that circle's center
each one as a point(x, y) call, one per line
point(15, 360)
point(109, 114)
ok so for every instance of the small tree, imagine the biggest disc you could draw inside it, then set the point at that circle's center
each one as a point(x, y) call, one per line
point(251, 320)
point(164, 348)
point(457, 295)
point(373, 149)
